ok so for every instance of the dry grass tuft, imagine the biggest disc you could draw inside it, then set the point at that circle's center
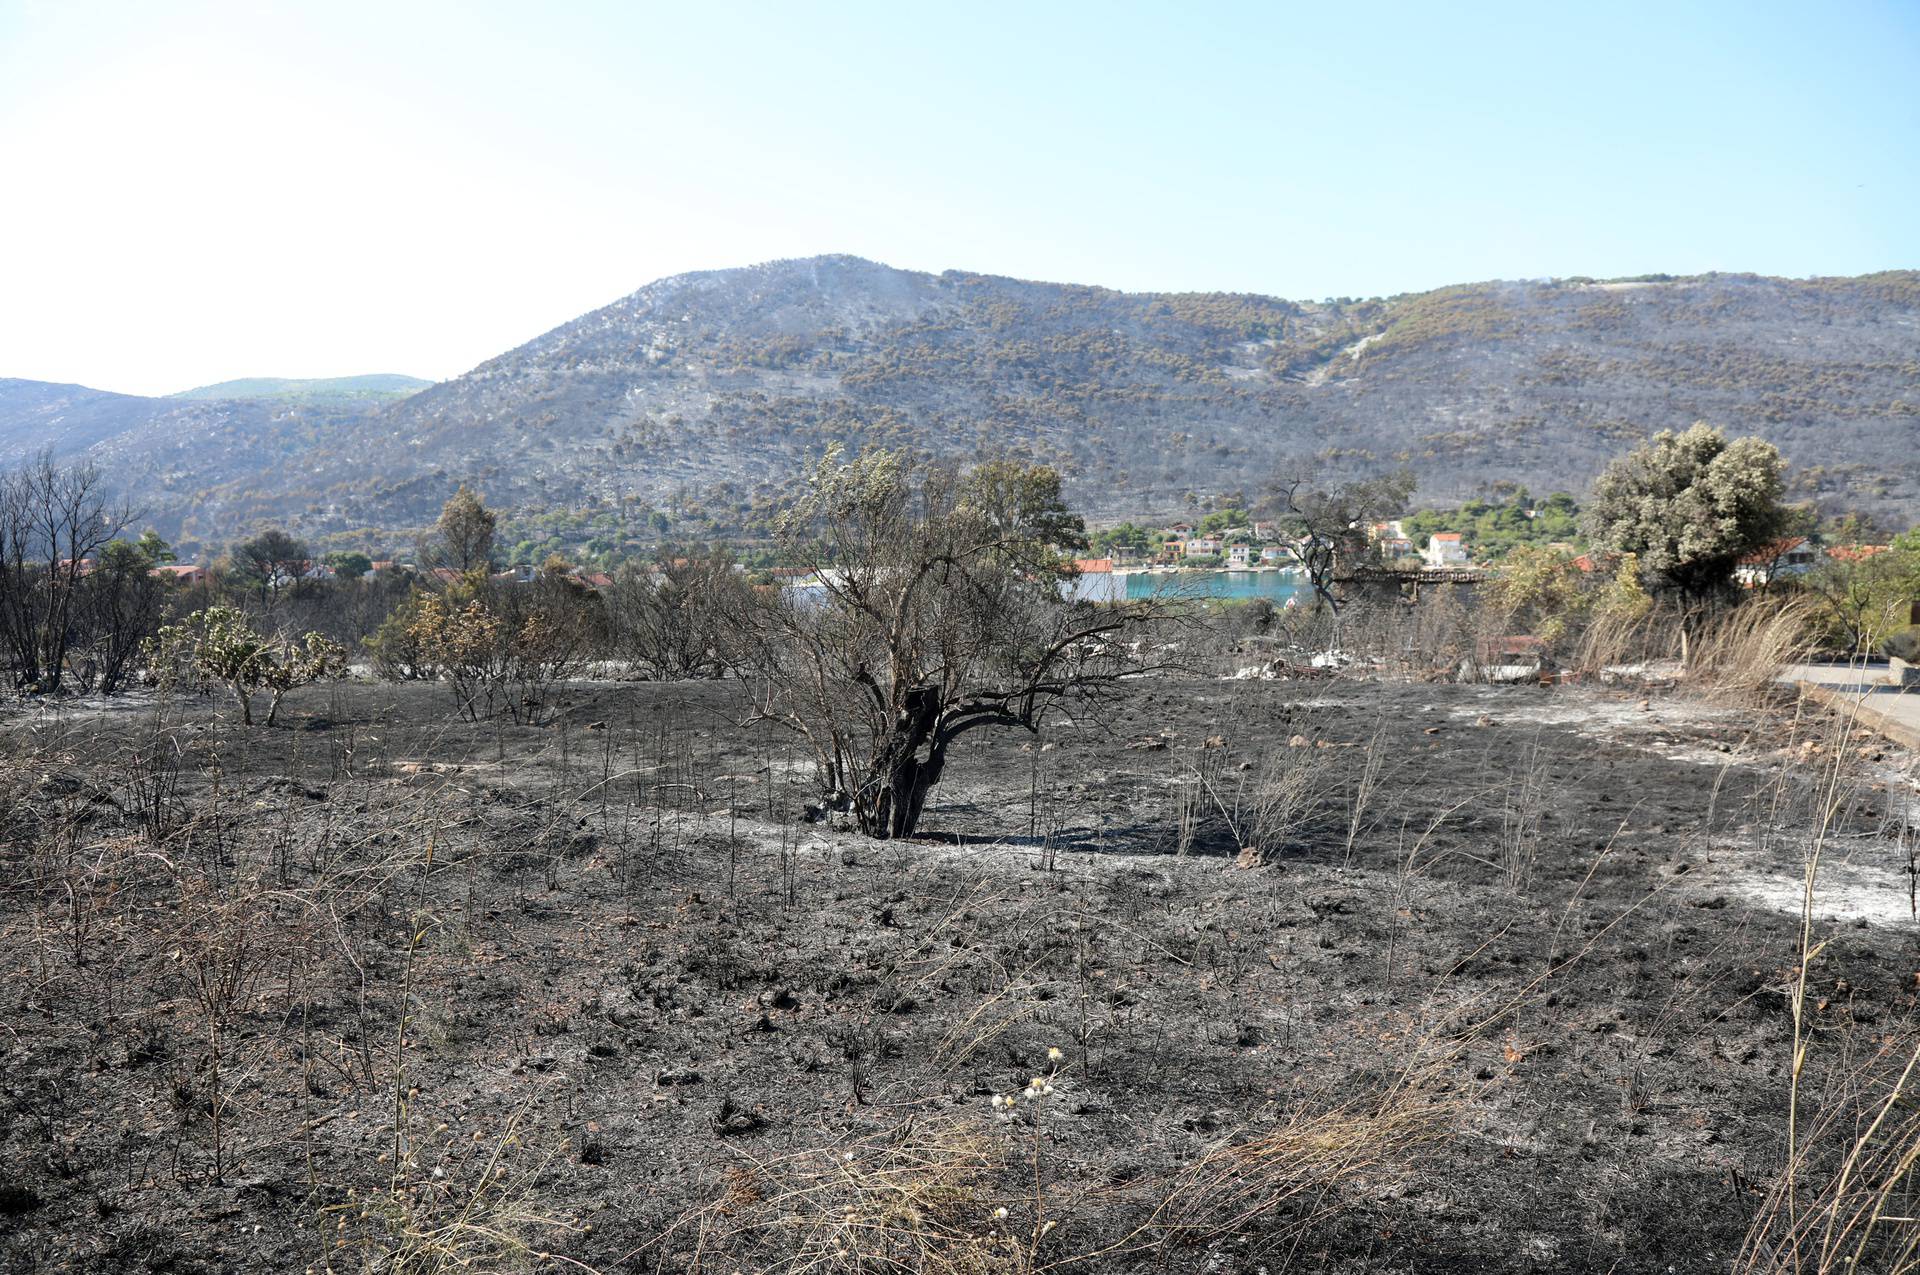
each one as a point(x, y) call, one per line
point(918, 1197)
point(1280, 1182)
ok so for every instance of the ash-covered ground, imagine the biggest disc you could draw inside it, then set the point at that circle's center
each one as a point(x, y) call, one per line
point(1343, 975)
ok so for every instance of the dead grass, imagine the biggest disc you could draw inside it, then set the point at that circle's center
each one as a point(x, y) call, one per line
point(977, 1194)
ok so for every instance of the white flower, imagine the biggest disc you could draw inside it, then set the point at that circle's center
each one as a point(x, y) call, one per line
point(1047, 1089)
point(1000, 1213)
point(848, 1157)
point(1054, 1054)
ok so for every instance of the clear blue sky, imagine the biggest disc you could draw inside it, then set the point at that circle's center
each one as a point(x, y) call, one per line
point(198, 191)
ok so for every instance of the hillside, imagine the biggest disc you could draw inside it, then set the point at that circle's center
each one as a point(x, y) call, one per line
point(697, 396)
point(381, 387)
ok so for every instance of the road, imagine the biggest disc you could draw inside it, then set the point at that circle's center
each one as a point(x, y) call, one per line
point(1865, 690)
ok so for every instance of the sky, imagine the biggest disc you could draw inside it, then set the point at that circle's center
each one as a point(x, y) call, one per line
point(199, 189)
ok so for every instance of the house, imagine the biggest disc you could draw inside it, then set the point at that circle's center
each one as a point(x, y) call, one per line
point(1178, 531)
point(1788, 556)
point(1203, 546)
point(1093, 581)
point(1265, 531)
point(1275, 555)
point(1445, 549)
point(1239, 555)
point(180, 573)
point(1395, 547)
point(1390, 530)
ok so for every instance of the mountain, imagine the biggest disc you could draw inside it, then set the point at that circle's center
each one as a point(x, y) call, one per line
point(694, 400)
point(72, 420)
point(380, 387)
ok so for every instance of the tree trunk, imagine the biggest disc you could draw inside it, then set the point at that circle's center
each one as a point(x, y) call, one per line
point(891, 802)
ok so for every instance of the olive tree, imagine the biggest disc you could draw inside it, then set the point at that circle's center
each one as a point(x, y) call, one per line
point(937, 608)
point(1689, 505)
point(218, 646)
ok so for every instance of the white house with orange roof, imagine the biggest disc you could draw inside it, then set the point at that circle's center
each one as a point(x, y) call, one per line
point(1445, 549)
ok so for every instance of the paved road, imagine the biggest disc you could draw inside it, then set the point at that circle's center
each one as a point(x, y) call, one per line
point(1866, 690)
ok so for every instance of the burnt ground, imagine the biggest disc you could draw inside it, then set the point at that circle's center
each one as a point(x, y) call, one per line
point(1501, 983)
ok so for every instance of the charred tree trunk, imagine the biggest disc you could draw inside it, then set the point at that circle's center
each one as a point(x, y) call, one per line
point(890, 803)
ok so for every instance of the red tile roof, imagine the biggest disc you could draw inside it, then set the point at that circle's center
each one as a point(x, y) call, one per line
point(1775, 550)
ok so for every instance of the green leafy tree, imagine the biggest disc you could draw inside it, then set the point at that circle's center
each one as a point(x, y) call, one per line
point(1689, 505)
point(218, 646)
point(1539, 591)
point(1624, 597)
point(270, 562)
point(463, 537)
point(349, 564)
point(1861, 597)
point(123, 605)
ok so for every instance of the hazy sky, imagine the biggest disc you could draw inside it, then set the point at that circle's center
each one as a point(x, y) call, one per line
point(197, 191)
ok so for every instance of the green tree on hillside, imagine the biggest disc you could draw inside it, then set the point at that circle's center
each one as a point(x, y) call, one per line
point(270, 562)
point(462, 539)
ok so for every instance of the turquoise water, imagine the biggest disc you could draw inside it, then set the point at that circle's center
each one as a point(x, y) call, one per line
point(1275, 586)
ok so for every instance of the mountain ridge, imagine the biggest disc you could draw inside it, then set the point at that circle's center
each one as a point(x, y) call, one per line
point(695, 398)
point(370, 387)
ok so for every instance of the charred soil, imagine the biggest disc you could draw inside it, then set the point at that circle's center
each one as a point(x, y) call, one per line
point(1347, 975)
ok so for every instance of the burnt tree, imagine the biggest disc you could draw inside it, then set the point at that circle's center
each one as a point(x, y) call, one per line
point(941, 603)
